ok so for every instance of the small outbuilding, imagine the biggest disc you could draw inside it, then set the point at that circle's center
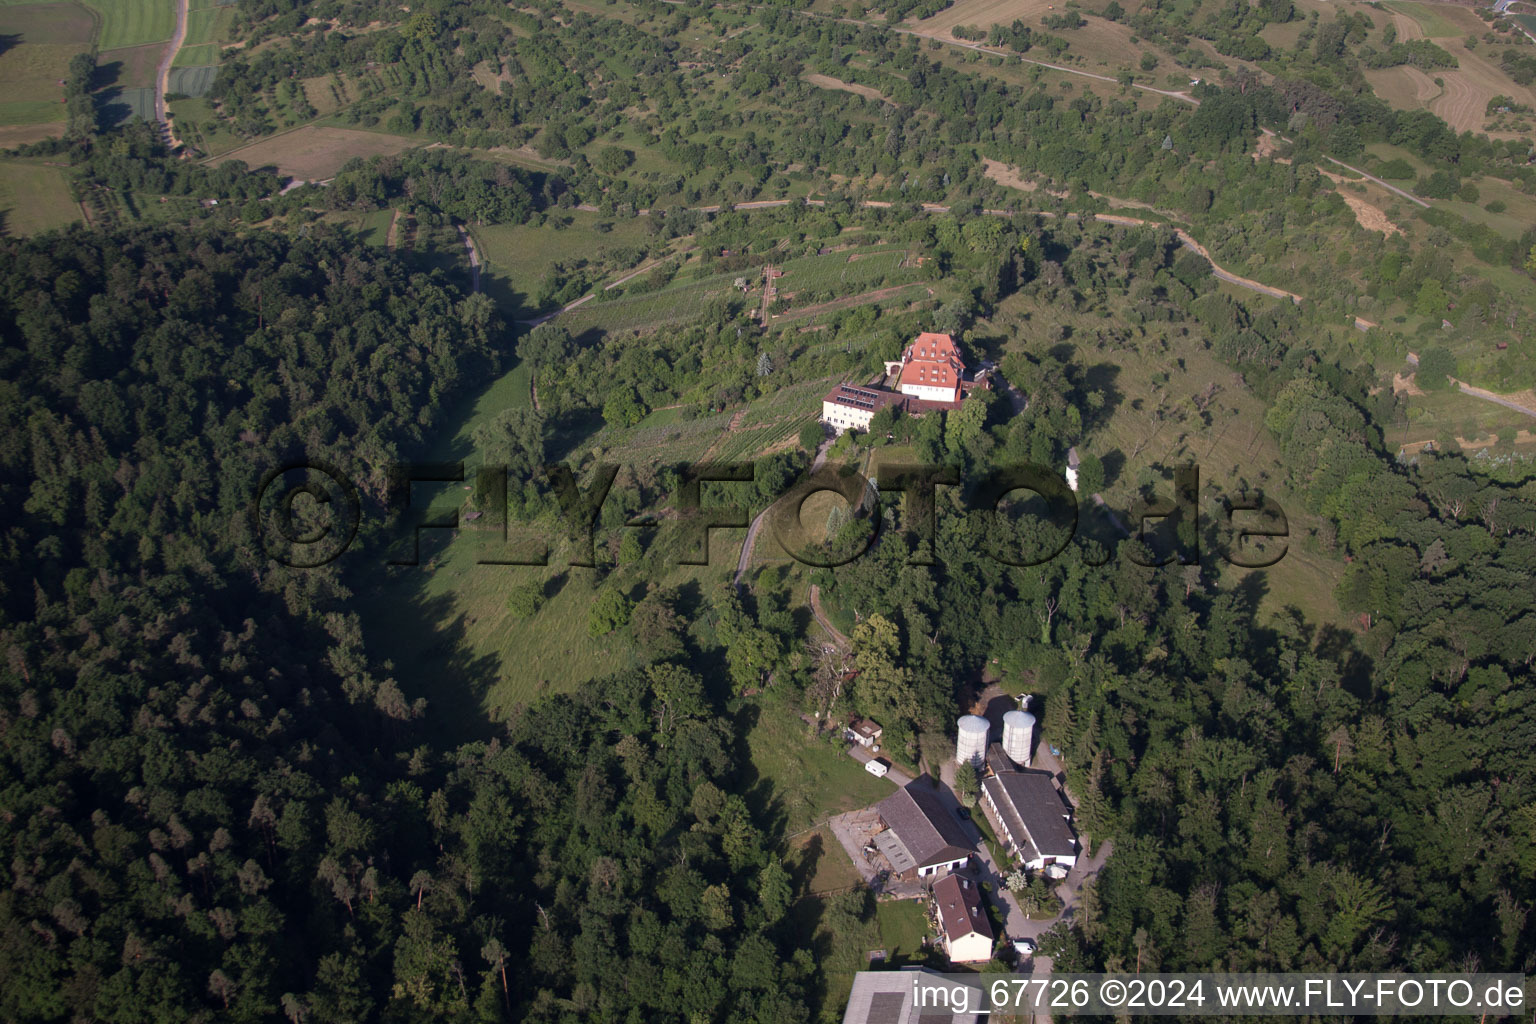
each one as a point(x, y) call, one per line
point(866, 732)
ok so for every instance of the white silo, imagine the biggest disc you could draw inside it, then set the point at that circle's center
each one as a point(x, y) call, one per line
point(972, 744)
point(1018, 736)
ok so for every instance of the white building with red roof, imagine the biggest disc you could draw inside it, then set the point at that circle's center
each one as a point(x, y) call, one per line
point(930, 376)
point(931, 369)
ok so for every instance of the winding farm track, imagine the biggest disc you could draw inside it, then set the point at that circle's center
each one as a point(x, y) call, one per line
point(826, 623)
point(163, 73)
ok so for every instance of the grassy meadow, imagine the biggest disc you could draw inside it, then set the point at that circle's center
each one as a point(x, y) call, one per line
point(34, 197)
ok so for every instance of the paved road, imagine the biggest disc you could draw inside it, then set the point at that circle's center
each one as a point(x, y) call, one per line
point(163, 74)
point(893, 773)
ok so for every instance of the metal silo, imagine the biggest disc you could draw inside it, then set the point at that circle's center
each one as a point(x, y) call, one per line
point(1018, 736)
point(972, 744)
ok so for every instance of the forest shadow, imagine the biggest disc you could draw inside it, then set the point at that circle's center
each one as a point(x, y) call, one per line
point(1101, 378)
point(761, 796)
point(1249, 593)
point(1338, 647)
point(513, 304)
point(1113, 462)
point(9, 40)
point(111, 109)
point(425, 640)
point(802, 861)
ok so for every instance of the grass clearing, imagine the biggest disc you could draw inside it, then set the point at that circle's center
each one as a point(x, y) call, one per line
point(819, 862)
point(315, 152)
point(34, 198)
point(903, 926)
point(517, 257)
point(804, 780)
point(828, 82)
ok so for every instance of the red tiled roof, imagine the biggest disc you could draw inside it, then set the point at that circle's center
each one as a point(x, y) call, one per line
point(932, 361)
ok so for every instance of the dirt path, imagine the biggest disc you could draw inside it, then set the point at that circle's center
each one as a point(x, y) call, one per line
point(163, 74)
point(1519, 401)
point(1371, 177)
point(392, 240)
point(824, 622)
point(474, 258)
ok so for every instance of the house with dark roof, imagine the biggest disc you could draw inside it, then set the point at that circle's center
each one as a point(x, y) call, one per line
point(866, 732)
point(1033, 818)
point(962, 919)
point(922, 835)
point(914, 996)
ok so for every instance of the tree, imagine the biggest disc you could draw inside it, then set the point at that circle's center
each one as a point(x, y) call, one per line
point(967, 783)
point(1436, 366)
point(526, 599)
point(882, 684)
point(764, 364)
point(610, 611)
point(1431, 300)
point(811, 436)
point(624, 407)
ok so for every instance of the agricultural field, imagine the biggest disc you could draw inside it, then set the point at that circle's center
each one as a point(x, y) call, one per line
point(134, 22)
point(192, 81)
point(984, 14)
point(1100, 43)
point(39, 41)
point(207, 30)
point(34, 197)
point(316, 152)
point(1459, 95)
point(1432, 21)
point(132, 67)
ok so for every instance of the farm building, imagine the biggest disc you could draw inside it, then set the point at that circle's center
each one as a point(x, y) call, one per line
point(890, 997)
point(930, 377)
point(922, 836)
point(1032, 818)
point(962, 917)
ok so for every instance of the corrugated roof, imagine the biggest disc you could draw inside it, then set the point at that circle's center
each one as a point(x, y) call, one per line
point(1032, 809)
point(924, 824)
